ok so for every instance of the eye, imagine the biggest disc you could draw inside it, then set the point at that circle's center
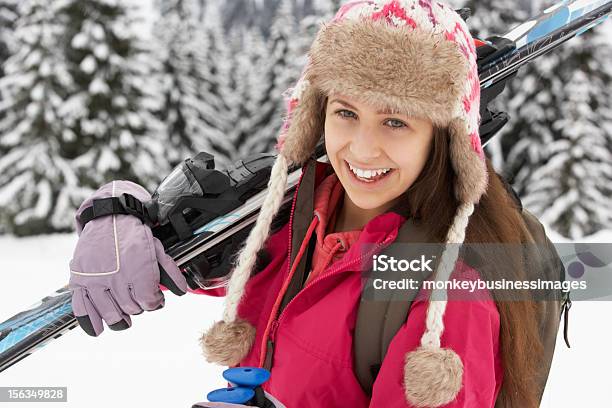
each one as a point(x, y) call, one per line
point(341, 114)
point(396, 124)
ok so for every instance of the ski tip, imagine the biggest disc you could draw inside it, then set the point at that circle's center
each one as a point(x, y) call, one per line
point(479, 43)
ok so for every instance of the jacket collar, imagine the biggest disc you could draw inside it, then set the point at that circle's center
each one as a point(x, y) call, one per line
point(313, 174)
point(328, 197)
point(389, 225)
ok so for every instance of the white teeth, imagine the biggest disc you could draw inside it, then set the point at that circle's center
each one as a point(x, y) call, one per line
point(367, 173)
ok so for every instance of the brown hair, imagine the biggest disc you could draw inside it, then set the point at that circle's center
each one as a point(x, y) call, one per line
point(496, 219)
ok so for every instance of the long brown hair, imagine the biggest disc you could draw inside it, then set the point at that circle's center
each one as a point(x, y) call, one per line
point(496, 219)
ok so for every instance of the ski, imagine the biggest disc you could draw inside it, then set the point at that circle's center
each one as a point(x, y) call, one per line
point(535, 37)
point(501, 57)
point(204, 254)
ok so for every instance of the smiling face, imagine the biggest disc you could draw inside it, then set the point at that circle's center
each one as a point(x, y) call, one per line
point(356, 133)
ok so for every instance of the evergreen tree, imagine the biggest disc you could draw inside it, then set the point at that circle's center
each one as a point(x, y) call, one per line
point(215, 90)
point(308, 26)
point(38, 188)
point(327, 8)
point(180, 49)
point(571, 186)
point(113, 133)
point(245, 13)
point(560, 174)
point(250, 52)
point(276, 74)
point(490, 17)
point(8, 17)
point(259, 13)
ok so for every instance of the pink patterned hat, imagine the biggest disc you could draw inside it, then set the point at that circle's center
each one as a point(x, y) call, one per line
point(414, 56)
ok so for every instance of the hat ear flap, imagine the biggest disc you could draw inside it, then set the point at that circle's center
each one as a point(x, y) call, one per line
point(304, 124)
point(470, 168)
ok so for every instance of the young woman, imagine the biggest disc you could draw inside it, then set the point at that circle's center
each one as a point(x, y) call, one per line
point(393, 88)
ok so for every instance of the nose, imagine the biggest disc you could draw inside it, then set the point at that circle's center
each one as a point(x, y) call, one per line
point(365, 145)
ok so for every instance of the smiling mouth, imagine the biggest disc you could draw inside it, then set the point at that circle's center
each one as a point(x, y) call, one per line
point(371, 180)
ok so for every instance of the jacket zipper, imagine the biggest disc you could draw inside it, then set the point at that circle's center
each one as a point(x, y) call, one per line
point(276, 322)
point(269, 343)
point(270, 346)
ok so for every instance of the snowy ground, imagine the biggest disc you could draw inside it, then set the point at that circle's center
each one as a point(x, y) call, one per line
point(157, 362)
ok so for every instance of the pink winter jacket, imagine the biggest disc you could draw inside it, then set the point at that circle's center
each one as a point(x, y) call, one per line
point(310, 342)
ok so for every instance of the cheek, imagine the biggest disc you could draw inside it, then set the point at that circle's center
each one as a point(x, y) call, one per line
point(410, 158)
point(334, 140)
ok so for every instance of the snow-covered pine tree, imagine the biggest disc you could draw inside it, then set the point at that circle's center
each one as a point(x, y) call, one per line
point(308, 26)
point(327, 8)
point(113, 133)
point(8, 17)
point(491, 17)
point(301, 10)
point(250, 53)
point(276, 74)
point(555, 171)
point(239, 13)
point(38, 188)
point(259, 13)
point(570, 189)
point(215, 90)
point(179, 47)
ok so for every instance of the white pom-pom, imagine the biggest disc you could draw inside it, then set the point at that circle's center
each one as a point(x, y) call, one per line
point(228, 343)
point(432, 376)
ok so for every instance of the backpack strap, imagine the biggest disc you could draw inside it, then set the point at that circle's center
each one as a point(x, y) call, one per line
point(378, 320)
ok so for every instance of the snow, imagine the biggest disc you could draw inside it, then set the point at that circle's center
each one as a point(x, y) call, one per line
point(73, 107)
point(7, 194)
point(157, 362)
point(101, 51)
point(37, 92)
point(79, 41)
point(42, 207)
point(119, 101)
point(33, 110)
point(107, 161)
point(33, 59)
point(98, 86)
point(88, 65)
point(97, 31)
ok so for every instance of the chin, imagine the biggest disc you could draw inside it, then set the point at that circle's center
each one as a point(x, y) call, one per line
point(367, 203)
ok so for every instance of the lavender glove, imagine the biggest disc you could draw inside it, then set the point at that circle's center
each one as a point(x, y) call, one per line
point(118, 265)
